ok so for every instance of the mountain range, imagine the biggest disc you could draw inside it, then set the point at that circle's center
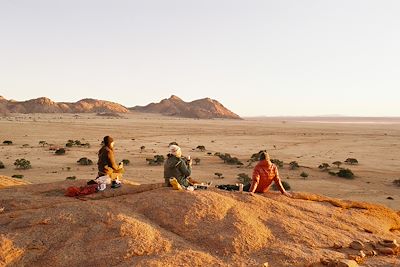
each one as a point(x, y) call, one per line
point(174, 106)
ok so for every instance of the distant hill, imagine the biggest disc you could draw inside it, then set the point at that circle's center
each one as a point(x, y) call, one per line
point(202, 109)
point(46, 105)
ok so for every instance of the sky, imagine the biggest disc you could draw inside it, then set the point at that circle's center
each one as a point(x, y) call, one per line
point(257, 57)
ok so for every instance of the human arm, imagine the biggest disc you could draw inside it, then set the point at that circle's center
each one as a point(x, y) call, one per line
point(255, 180)
point(279, 184)
point(111, 160)
point(185, 169)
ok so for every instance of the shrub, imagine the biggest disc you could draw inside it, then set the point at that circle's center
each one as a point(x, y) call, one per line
point(219, 175)
point(304, 175)
point(244, 178)
point(22, 164)
point(293, 165)
point(126, 162)
point(42, 143)
point(345, 173)
point(77, 142)
point(142, 148)
point(201, 148)
point(2, 165)
point(69, 144)
point(7, 142)
point(277, 162)
point(60, 151)
point(18, 176)
point(285, 184)
point(228, 159)
point(396, 182)
point(332, 173)
point(71, 178)
point(351, 161)
point(209, 153)
point(197, 161)
point(337, 163)
point(85, 161)
point(156, 160)
point(324, 166)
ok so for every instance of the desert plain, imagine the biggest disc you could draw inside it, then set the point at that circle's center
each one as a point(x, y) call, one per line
point(375, 143)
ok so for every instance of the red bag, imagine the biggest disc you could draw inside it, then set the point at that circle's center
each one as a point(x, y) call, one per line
point(75, 191)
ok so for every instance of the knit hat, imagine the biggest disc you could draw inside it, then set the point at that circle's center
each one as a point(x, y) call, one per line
point(174, 149)
point(107, 140)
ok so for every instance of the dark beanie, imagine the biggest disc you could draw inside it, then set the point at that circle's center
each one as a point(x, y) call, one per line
point(107, 140)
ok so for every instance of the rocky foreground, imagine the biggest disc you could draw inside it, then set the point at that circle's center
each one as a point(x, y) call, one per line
point(147, 225)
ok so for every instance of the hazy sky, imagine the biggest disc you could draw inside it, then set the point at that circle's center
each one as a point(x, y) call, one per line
point(297, 57)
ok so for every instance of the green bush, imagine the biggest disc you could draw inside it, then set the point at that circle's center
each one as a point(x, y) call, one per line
point(345, 173)
point(351, 161)
point(85, 161)
point(18, 176)
point(156, 160)
point(126, 162)
point(324, 166)
point(294, 165)
point(219, 175)
point(277, 162)
point(197, 161)
point(304, 175)
point(60, 151)
point(332, 173)
point(244, 178)
point(285, 184)
point(337, 163)
point(22, 164)
point(228, 159)
point(201, 148)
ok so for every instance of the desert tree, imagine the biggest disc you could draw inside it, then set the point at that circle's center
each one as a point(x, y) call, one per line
point(324, 167)
point(197, 161)
point(7, 142)
point(351, 161)
point(85, 161)
point(2, 165)
point(219, 175)
point(337, 163)
point(304, 175)
point(244, 178)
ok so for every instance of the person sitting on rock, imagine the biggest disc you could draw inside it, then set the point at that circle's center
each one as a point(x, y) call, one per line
point(178, 167)
point(264, 173)
point(106, 163)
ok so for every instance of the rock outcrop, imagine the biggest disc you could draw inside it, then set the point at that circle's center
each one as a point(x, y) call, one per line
point(201, 109)
point(148, 225)
point(46, 105)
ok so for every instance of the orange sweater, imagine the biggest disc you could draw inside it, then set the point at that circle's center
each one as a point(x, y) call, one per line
point(264, 175)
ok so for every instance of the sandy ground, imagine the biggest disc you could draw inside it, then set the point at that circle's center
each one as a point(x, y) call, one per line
point(375, 144)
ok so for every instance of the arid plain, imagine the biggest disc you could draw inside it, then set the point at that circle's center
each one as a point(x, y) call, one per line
point(375, 144)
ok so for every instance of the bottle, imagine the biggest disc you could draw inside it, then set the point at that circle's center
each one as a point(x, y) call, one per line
point(240, 187)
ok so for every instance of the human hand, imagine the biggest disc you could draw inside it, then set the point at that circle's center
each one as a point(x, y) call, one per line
point(287, 194)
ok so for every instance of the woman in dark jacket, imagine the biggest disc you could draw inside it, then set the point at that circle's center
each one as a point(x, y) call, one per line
point(106, 164)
